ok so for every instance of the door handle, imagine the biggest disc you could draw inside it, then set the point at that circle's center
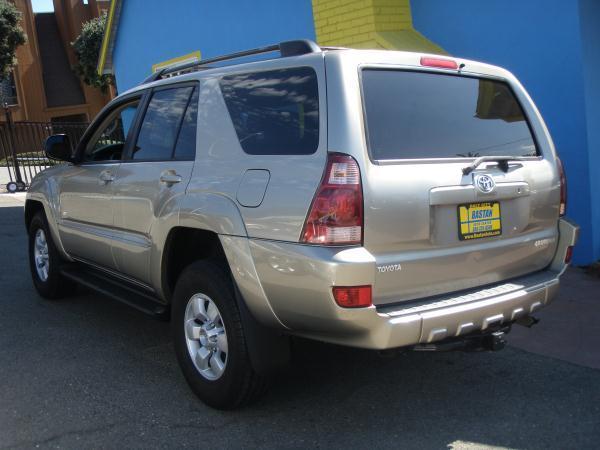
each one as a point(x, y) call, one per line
point(169, 177)
point(106, 177)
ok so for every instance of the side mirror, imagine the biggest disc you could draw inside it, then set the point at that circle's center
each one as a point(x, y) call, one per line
point(58, 147)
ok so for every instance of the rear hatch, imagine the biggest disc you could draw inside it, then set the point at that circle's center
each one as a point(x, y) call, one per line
point(433, 227)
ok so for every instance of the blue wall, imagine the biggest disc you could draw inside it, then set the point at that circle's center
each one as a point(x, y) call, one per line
point(590, 34)
point(540, 42)
point(152, 31)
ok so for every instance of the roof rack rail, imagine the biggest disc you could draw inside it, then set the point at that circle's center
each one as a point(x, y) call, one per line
point(287, 48)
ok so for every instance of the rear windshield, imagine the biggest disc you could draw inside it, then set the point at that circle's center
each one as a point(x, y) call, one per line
point(274, 112)
point(413, 115)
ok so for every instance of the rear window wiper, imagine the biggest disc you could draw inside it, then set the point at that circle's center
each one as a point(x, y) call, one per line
point(501, 160)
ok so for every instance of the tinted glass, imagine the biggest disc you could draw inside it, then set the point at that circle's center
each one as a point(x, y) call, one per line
point(109, 139)
point(186, 141)
point(158, 132)
point(420, 115)
point(274, 112)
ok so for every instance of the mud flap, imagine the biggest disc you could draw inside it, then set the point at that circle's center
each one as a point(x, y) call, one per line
point(269, 349)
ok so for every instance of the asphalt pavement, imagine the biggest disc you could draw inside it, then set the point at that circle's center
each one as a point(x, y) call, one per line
point(88, 372)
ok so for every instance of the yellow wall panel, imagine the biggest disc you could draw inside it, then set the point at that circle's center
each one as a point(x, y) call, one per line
point(384, 24)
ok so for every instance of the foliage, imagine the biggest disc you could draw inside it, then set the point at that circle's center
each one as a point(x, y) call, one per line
point(28, 159)
point(11, 36)
point(87, 48)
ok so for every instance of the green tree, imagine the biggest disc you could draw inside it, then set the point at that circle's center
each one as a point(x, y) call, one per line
point(11, 36)
point(87, 48)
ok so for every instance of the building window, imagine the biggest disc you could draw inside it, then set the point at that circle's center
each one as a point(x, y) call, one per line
point(8, 91)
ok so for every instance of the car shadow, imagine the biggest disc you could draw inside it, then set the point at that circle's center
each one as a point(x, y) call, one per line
point(432, 400)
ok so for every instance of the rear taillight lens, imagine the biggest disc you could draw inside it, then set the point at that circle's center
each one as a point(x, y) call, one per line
point(353, 297)
point(336, 213)
point(563, 188)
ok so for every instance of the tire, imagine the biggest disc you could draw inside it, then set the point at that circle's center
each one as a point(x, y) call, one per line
point(49, 283)
point(221, 373)
point(12, 187)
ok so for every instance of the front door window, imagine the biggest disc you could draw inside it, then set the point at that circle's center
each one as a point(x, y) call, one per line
point(108, 142)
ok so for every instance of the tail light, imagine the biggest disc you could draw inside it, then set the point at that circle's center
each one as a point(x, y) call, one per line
point(353, 297)
point(336, 213)
point(563, 188)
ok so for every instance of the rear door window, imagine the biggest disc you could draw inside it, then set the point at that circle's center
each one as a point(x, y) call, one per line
point(414, 115)
point(274, 112)
point(160, 127)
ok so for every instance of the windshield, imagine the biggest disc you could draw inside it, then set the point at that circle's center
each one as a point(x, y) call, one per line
point(412, 115)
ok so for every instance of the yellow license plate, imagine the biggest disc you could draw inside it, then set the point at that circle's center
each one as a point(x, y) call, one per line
point(479, 220)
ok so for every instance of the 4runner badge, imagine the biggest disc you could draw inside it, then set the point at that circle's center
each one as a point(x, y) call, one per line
point(484, 183)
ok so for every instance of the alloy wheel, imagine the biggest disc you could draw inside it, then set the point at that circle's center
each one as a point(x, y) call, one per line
point(205, 336)
point(40, 255)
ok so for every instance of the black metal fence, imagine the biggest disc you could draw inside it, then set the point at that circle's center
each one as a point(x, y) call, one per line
point(22, 154)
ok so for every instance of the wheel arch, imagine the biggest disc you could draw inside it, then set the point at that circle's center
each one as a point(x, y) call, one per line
point(210, 225)
point(32, 207)
point(182, 247)
point(185, 245)
point(192, 234)
point(35, 203)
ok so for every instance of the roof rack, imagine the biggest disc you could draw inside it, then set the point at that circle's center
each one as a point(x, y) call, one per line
point(287, 48)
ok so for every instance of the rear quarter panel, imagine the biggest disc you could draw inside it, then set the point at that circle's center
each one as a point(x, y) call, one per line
point(221, 162)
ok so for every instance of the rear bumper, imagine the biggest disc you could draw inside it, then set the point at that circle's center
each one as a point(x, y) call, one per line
point(457, 316)
point(297, 282)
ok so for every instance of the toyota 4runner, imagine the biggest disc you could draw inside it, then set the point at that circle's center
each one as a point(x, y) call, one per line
point(375, 199)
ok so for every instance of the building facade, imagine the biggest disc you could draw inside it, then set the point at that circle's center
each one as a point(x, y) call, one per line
point(553, 46)
point(45, 88)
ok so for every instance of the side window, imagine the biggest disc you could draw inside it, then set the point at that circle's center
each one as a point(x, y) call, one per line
point(185, 148)
point(156, 138)
point(274, 112)
point(108, 141)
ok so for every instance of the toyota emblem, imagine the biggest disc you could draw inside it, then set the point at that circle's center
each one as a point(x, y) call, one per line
point(484, 183)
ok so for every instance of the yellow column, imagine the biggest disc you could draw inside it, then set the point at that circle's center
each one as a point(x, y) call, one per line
point(379, 24)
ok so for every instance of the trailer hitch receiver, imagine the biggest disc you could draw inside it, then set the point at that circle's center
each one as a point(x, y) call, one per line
point(495, 341)
point(476, 342)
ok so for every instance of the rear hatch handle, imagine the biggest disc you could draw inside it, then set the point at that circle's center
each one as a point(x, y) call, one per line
point(501, 160)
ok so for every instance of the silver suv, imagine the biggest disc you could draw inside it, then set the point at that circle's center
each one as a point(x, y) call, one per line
point(375, 199)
